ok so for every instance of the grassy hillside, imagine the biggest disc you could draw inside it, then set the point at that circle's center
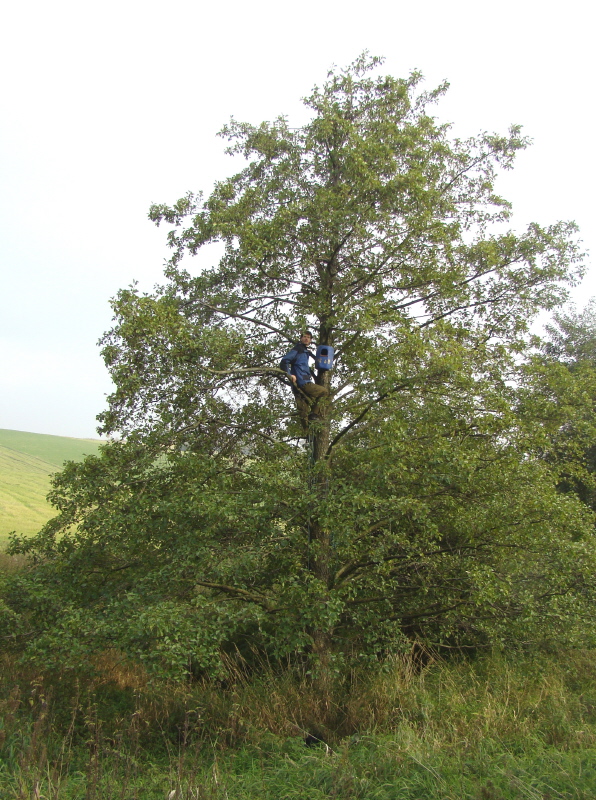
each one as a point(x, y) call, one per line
point(26, 462)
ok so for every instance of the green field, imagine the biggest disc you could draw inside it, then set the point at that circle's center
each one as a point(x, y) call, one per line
point(26, 462)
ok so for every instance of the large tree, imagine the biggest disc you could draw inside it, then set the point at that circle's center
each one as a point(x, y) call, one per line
point(415, 509)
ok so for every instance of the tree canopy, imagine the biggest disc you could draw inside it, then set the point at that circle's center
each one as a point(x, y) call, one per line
point(420, 508)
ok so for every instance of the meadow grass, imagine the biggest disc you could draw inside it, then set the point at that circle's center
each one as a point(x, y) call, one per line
point(494, 728)
point(26, 462)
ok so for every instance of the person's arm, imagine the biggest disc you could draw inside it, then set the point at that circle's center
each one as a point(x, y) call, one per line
point(286, 364)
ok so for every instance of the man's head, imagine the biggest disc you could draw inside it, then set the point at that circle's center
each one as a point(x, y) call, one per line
point(306, 337)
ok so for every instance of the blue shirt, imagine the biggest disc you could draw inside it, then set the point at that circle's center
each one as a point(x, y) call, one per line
point(296, 363)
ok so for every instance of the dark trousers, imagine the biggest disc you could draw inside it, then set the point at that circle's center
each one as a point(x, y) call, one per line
point(309, 404)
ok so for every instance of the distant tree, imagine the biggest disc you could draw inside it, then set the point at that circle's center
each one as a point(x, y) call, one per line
point(571, 337)
point(562, 378)
point(415, 512)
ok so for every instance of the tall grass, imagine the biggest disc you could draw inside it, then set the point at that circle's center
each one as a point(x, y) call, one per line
point(490, 729)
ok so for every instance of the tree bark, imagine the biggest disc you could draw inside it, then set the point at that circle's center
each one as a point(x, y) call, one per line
point(321, 548)
point(320, 536)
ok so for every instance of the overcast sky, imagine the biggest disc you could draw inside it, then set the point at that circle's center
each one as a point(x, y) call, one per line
point(108, 107)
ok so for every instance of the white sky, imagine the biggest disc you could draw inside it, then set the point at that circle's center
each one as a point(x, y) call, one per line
point(108, 107)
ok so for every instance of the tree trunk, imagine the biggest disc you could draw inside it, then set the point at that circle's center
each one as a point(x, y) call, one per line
point(321, 551)
point(320, 536)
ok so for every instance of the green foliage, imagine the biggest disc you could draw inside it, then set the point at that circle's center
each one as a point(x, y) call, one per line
point(572, 336)
point(422, 511)
point(559, 396)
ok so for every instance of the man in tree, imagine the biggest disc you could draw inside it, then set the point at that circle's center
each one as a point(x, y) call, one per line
point(307, 393)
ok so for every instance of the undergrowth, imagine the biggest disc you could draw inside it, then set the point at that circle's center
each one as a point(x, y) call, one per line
point(489, 729)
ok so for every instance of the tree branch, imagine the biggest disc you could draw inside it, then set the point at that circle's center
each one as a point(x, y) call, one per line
point(226, 313)
point(257, 370)
point(361, 416)
point(236, 591)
